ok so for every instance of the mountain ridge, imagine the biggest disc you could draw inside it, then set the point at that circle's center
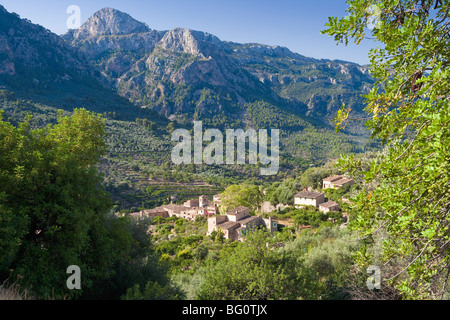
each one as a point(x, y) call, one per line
point(184, 75)
point(168, 71)
point(108, 21)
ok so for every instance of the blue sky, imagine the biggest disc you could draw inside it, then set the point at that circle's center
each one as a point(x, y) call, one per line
point(293, 24)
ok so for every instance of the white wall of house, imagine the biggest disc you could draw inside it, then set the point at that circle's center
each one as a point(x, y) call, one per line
point(237, 216)
point(327, 184)
point(214, 221)
point(304, 202)
point(309, 201)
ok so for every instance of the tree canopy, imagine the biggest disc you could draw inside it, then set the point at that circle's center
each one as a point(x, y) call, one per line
point(407, 188)
point(54, 213)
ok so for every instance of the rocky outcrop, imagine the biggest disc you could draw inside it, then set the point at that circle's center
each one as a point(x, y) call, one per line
point(192, 42)
point(147, 66)
point(180, 72)
point(107, 21)
point(34, 53)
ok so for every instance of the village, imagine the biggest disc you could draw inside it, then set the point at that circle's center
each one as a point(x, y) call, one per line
point(235, 223)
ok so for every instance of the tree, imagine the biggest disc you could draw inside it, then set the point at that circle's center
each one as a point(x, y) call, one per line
point(52, 207)
point(313, 177)
point(252, 272)
point(54, 213)
point(406, 190)
point(170, 127)
point(282, 192)
point(153, 291)
point(249, 196)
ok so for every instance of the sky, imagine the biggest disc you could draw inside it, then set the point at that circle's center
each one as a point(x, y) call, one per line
point(295, 24)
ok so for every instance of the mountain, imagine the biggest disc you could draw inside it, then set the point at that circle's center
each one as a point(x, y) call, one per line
point(185, 74)
point(118, 66)
point(166, 70)
point(323, 85)
point(108, 21)
point(31, 54)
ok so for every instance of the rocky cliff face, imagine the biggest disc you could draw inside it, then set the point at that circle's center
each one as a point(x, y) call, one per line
point(107, 21)
point(33, 53)
point(163, 70)
point(180, 73)
point(168, 70)
point(323, 85)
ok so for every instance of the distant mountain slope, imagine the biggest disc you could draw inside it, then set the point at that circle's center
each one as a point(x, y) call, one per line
point(322, 85)
point(32, 55)
point(39, 65)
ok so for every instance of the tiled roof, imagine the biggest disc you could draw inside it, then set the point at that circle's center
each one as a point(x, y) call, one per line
point(308, 194)
point(247, 220)
point(237, 210)
point(342, 181)
point(154, 210)
point(333, 178)
point(175, 207)
point(329, 204)
point(228, 225)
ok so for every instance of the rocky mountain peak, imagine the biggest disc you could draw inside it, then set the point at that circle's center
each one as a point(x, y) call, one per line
point(190, 41)
point(108, 21)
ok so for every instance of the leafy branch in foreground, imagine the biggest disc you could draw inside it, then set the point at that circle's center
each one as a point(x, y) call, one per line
point(407, 190)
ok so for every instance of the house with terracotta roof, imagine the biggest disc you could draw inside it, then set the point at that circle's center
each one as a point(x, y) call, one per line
point(237, 222)
point(156, 212)
point(329, 206)
point(181, 211)
point(336, 182)
point(308, 198)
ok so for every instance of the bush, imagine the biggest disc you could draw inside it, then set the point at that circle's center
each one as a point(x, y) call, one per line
point(184, 254)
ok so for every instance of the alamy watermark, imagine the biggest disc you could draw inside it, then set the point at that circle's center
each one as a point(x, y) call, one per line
point(213, 153)
point(374, 281)
point(74, 20)
point(374, 19)
point(74, 281)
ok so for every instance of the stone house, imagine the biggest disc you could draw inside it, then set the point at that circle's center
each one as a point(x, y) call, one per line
point(309, 198)
point(217, 199)
point(336, 182)
point(181, 211)
point(156, 212)
point(236, 222)
point(328, 206)
point(192, 203)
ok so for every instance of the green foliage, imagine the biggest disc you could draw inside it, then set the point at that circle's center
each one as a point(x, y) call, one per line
point(249, 196)
point(251, 272)
point(53, 214)
point(407, 187)
point(200, 253)
point(312, 266)
point(282, 192)
point(185, 254)
point(152, 291)
point(327, 257)
point(53, 209)
point(305, 217)
point(188, 283)
point(313, 177)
